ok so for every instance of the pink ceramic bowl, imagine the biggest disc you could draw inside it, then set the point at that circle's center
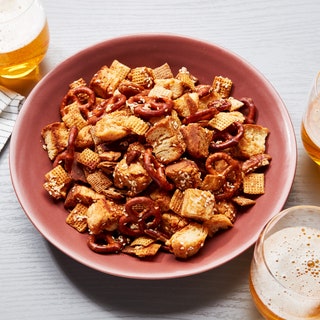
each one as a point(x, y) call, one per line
point(29, 162)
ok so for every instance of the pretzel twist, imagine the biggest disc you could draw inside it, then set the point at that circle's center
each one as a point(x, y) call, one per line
point(156, 170)
point(142, 214)
point(230, 176)
point(225, 139)
point(250, 115)
point(67, 156)
point(148, 107)
point(104, 243)
point(213, 108)
point(84, 96)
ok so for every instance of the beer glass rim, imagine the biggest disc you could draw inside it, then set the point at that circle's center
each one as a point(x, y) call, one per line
point(30, 4)
point(272, 222)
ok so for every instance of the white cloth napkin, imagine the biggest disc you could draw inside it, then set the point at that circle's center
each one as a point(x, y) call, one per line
point(10, 105)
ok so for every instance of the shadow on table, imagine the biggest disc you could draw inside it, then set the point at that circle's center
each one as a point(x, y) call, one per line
point(306, 185)
point(157, 297)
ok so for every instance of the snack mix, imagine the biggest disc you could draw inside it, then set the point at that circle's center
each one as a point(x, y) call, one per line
point(145, 161)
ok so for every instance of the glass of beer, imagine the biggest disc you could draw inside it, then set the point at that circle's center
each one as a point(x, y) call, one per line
point(285, 269)
point(24, 37)
point(310, 128)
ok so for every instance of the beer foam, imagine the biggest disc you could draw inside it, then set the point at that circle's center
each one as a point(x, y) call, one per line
point(16, 33)
point(292, 258)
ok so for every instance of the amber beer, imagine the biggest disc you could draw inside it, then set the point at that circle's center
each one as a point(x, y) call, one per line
point(312, 148)
point(24, 37)
point(310, 127)
point(310, 130)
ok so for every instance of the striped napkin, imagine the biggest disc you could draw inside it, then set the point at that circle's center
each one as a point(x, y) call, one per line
point(10, 105)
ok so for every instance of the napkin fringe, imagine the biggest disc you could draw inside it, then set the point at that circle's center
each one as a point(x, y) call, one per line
point(10, 105)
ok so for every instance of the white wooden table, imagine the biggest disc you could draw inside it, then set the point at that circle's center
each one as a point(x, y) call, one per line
point(279, 37)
